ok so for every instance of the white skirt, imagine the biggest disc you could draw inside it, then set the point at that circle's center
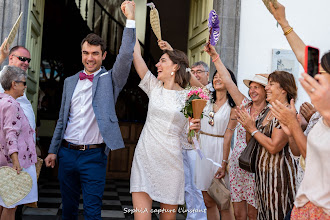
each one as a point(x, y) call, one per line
point(33, 195)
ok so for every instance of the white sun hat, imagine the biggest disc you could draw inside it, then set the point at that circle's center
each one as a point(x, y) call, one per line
point(258, 78)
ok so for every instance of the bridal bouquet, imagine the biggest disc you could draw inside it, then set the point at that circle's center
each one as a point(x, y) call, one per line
point(194, 105)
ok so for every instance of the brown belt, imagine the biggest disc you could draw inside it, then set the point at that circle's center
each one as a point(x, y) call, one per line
point(213, 135)
point(81, 147)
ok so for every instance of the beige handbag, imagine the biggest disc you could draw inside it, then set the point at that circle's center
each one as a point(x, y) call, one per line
point(219, 192)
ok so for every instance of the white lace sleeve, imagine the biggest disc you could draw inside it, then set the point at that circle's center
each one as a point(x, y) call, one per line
point(184, 138)
point(149, 82)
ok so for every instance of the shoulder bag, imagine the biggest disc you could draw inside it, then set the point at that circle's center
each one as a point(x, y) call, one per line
point(247, 159)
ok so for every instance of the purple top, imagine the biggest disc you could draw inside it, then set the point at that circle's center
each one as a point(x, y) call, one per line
point(16, 135)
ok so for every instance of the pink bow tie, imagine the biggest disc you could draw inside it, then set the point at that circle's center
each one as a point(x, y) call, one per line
point(83, 76)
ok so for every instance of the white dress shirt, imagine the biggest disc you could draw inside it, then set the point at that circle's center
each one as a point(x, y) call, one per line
point(26, 106)
point(82, 126)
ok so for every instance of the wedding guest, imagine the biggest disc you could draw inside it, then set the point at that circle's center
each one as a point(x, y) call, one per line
point(242, 183)
point(19, 56)
point(306, 110)
point(17, 145)
point(202, 72)
point(314, 192)
point(215, 139)
point(275, 166)
point(157, 170)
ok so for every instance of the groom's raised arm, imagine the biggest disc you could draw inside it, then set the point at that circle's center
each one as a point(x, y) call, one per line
point(122, 66)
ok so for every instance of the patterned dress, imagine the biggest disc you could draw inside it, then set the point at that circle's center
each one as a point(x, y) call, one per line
point(242, 182)
point(275, 177)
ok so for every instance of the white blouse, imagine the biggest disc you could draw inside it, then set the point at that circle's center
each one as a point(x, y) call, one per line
point(315, 186)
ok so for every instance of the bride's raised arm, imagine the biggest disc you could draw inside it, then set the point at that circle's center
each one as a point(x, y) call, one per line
point(139, 64)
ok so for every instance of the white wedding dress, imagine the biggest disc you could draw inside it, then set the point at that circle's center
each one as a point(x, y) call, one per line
point(158, 165)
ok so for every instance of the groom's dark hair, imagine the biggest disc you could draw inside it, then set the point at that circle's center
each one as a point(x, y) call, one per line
point(94, 39)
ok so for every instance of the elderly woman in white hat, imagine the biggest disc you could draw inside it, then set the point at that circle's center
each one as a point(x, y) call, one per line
point(242, 183)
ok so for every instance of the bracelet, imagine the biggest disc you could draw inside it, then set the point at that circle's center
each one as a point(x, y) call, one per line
point(253, 133)
point(288, 31)
point(226, 161)
point(215, 58)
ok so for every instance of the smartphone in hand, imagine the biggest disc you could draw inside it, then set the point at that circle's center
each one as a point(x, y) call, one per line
point(311, 60)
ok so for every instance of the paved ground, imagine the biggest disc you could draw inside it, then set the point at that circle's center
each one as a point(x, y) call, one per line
point(117, 201)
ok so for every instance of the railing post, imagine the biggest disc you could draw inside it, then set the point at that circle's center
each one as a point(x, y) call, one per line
point(116, 34)
point(101, 23)
point(86, 11)
point(93, 21)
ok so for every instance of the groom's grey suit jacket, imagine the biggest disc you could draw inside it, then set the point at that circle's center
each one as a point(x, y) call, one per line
point(106, 88)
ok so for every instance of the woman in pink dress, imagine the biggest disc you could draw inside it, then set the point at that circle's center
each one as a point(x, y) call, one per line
point(17, 146)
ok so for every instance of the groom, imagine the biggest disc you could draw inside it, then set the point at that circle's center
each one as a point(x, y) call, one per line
point(87, 128)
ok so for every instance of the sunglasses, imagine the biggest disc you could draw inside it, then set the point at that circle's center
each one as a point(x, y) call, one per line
point(24, 82)
point(23, 59)
point(211, 116)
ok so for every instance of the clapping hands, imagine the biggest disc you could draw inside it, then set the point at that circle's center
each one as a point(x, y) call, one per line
point(245, 119)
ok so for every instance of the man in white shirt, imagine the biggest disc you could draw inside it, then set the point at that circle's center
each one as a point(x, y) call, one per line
point(19, 56)
point(87, 128)
point(201, 71)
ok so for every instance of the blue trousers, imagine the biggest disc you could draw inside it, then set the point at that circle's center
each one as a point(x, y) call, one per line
point(86, 171)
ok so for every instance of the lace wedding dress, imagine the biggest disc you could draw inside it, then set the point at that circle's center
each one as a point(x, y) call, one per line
point(158, 165)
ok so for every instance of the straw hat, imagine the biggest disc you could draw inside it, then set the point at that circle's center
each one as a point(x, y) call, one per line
point(264, 75)
point(13, 187)
point(258, 78)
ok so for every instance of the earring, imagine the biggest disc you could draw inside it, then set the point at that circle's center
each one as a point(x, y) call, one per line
point(172, 73)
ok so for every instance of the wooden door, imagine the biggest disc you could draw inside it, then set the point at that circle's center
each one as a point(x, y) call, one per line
point(198, 30)
point(120, 161)
point(34, 44)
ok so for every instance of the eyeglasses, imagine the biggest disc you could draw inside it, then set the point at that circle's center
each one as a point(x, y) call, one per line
point(211, 116)
point(197, 72)
point(24, 82)
point(23, 59)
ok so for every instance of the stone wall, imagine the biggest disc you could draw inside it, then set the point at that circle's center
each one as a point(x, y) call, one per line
point(227, 47)
point(9, 12)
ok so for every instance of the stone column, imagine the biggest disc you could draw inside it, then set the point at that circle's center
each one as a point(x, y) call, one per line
point(9, 12)
point(227, 47)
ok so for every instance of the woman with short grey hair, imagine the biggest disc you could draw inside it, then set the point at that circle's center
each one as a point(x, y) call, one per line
point(11, 74)
point(17, 146)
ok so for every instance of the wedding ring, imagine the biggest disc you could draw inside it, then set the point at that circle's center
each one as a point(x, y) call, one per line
point(312, 90)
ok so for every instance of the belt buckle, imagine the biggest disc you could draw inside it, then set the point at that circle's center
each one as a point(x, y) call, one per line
point(83, 149)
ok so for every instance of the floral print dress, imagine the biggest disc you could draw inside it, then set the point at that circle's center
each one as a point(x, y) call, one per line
point(242, 183)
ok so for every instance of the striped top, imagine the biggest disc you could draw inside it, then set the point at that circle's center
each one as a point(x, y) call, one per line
point(275, 177)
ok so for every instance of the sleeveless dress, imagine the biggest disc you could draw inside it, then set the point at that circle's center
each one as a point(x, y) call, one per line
point(157, 167)
point(212, 147)
point(242, 182)
point(275, 177)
